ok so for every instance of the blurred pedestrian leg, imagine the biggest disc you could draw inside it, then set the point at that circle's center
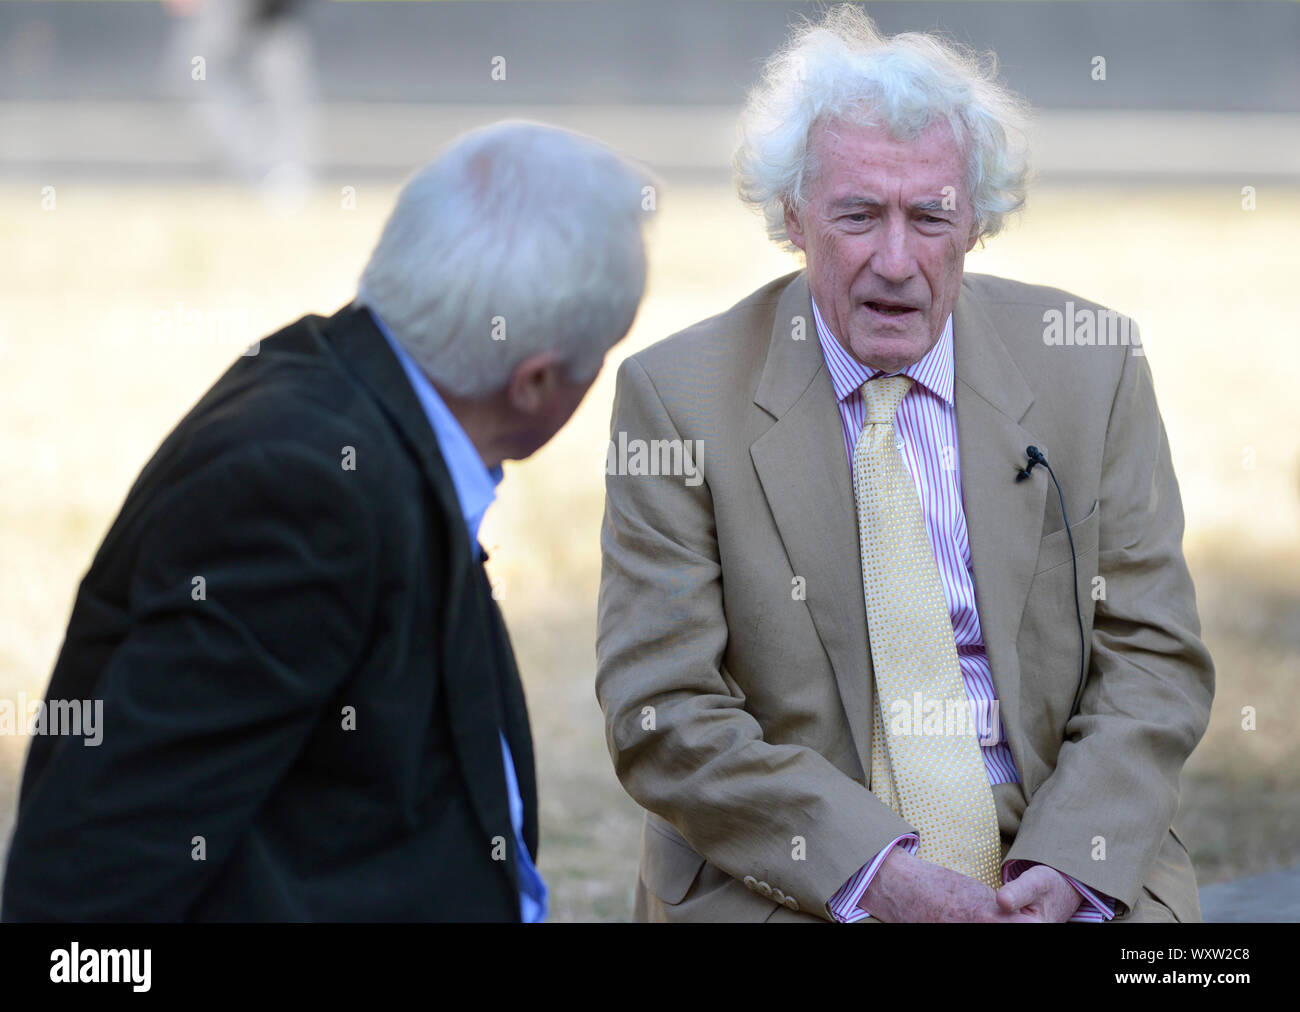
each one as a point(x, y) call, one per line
point(251, 76)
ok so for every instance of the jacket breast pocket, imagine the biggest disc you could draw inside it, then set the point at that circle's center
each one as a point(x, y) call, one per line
point(1054, 550)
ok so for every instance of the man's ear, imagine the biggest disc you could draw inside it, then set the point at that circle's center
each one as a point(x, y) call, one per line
point(794, 228)
point(533, 381)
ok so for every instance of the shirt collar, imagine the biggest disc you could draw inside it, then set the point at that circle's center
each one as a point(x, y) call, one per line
point(934, 371)
point(475, 484)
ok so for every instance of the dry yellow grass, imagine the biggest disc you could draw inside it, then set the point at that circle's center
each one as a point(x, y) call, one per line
point(93, 379)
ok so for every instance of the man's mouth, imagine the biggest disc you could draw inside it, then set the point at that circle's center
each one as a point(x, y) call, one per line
point(890, 308)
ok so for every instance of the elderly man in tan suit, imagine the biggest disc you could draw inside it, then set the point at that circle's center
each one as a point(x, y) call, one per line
point(857, 537)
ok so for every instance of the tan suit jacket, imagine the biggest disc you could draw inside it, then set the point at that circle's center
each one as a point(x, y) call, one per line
point(734, 665)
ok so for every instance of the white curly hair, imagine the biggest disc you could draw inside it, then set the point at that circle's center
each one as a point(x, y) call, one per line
point(842, 69)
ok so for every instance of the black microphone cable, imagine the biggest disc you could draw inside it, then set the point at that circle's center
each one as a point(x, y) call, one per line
point(1036, 456)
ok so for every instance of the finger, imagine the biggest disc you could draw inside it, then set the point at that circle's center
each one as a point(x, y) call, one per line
point(1069, 903)
point(1027, 889)
point(1016, 917)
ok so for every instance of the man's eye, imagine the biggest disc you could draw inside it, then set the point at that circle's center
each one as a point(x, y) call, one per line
point(857, 219)
point(930, 219)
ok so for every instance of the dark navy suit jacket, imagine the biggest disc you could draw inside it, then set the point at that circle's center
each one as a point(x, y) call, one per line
point(302, 669)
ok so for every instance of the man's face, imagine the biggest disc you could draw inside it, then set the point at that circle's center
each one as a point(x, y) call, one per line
point(886, 230)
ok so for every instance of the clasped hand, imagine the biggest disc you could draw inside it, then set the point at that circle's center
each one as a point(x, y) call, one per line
point(908, 888)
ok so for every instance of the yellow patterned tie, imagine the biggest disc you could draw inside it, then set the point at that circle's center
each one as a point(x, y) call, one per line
point(935, 781)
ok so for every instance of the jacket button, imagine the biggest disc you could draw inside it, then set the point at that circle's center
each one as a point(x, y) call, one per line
point(751, 882)
point(765, 890)
point(778, 895)
point(790, 902)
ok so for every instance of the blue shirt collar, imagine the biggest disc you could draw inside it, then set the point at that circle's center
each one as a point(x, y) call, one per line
point(474, 482)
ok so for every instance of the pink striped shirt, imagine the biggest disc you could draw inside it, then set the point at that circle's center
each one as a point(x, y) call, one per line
point(926, 430)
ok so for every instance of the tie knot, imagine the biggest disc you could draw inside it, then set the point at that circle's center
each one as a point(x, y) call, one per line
point(881, 397)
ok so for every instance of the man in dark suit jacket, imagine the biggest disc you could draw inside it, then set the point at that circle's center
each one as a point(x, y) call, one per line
point(310, 703)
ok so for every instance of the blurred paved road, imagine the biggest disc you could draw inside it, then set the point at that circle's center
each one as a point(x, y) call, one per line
point(1273, 897)
point(1192, 92)
point(1160, 55)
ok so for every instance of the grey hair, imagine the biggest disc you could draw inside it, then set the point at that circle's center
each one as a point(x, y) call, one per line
point(518, 238)
point(842, 69)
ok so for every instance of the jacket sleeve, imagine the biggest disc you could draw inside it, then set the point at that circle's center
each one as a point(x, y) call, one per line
point(1104, 812)
point(249, 601)
point(683, 744)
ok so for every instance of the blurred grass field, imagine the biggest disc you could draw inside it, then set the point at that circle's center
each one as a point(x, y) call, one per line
point(97, 366)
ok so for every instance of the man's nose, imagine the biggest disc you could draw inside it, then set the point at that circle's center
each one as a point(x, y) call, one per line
point(894, 259)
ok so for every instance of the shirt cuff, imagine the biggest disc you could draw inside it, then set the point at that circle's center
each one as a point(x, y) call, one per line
point(1096, 907)
point(843, 906)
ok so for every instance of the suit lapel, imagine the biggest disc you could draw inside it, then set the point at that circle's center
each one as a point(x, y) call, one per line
point(473, 701)
point(803, 451)
point(1004, 518)
point(801, 465)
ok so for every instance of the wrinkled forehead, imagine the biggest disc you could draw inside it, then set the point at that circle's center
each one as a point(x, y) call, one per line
point(863, 154)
